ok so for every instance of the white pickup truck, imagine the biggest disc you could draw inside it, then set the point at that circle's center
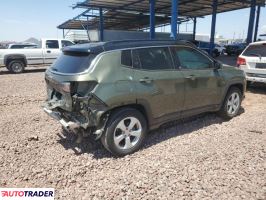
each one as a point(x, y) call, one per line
point(15, 60)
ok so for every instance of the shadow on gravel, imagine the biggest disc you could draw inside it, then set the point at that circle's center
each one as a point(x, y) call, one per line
point(88, 145)
point(165, 132)
point(27, 71)
point(257, 88)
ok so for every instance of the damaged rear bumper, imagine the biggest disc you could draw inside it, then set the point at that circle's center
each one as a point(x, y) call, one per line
point(89, 115)
point(68, 125)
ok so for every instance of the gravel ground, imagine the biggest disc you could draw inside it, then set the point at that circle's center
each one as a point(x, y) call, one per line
point(200, 158)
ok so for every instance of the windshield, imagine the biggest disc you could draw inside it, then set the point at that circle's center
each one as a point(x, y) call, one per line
point(73, 62)
point(256, 50)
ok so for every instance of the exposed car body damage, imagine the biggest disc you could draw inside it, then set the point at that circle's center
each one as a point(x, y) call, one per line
point(142, 84)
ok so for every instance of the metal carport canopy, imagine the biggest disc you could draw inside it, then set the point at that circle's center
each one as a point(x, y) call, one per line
point(190, 8)
point(117, 20)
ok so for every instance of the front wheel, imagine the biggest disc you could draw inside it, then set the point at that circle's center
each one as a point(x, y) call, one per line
point(232, 104)
point(125, 132)
point(16, 66)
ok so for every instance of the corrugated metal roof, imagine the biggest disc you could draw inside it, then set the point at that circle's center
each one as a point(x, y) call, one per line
point(190, 8)
point(116, 20)
point(134, 14)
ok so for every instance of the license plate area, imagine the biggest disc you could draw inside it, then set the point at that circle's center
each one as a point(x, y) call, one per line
point(261, 65)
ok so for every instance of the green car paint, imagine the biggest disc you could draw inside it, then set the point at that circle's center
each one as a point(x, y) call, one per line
point(160, 95)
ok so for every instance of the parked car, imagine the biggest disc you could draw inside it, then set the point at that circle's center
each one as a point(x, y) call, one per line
point(235, 49)
point(220, 48)
point(119, 90)
point(22, 46)
point(15, 60)
point(253, 62)
point(205, 46)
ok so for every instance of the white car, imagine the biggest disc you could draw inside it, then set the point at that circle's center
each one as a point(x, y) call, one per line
point(15, 60)
point(253, 62)
point(221, 49)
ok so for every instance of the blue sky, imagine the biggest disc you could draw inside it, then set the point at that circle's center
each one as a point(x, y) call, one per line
point(21, 19)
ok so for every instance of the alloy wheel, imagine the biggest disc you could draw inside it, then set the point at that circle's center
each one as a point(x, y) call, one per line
point(233, 103)
point(127, 133)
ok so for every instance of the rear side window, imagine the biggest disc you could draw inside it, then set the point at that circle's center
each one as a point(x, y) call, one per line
point(72, 63)
point(256, 50)
point(126, 58)
point(189, 58)
point(156, 58)
point(52, 44)
point(66, 43)
point(17, 47)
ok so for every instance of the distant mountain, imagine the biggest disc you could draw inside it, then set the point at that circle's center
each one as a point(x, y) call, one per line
point(32, 40)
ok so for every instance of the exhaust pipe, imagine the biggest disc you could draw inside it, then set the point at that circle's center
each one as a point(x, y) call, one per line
point(69, 126)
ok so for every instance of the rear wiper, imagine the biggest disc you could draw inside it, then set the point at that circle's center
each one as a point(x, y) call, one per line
point(256, 54)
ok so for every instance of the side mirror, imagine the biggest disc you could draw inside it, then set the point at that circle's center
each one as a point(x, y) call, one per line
point(217, 65)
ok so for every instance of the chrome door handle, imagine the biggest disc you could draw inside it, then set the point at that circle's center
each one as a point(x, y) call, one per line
point(191, 77)
point(145, 80)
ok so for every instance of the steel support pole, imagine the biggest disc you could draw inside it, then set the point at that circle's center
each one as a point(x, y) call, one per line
point(194, 28)
point(174, 17)
point(64, 33)
point(257, 24)
point(251, 21)
point(101, 24)
point(152, 19)
point(213, 27)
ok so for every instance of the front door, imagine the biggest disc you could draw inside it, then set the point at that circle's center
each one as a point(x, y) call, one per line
point(202, 81)
point(158, 84)
point(51, 52)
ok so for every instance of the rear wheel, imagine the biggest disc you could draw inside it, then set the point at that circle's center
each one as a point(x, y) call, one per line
point(231, 104)
point(125, 132)
point(16, 66)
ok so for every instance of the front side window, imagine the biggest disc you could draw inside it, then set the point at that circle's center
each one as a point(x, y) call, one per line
point(155, 58)
point(189, 58)
point(52, 44)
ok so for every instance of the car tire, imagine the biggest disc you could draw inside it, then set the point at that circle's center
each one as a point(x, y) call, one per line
point(231, 104)
point(125, 132)
point(16, 66)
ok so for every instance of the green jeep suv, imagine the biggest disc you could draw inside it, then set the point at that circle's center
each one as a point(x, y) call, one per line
point(119, 90)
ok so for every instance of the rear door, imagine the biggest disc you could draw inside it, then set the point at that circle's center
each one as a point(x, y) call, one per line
point(158, 85)
point(202, 81)
point(51, 51)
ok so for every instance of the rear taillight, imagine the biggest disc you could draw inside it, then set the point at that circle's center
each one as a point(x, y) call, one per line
point(241, 61)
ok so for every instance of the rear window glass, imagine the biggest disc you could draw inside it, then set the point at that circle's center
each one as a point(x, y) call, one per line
point(255, 50)
point(71, 63)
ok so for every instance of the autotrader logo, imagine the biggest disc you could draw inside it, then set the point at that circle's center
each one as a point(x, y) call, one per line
point(27, 194)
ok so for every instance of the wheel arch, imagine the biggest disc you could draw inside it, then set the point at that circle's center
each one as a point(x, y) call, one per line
point(12, 57)
point(137, 107)
point(239, 85)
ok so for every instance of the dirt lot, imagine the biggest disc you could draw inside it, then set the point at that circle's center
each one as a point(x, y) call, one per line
point(204, 157)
